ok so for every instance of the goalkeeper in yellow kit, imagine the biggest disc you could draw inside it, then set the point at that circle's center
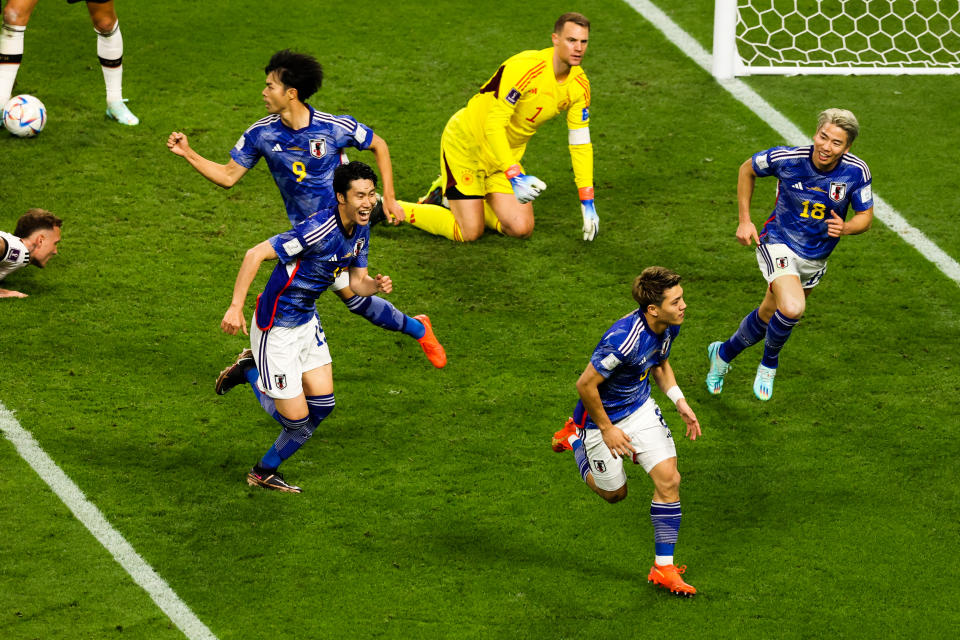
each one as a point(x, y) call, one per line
point(480, 173)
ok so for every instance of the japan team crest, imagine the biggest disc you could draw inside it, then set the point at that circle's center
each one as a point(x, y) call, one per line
point(280, 380)
point(599, 466)
point(318, 147)
point(782, 262)
point(837, 191)
point(359, 246)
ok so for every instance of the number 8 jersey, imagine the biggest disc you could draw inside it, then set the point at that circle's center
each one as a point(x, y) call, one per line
point(302, 161)
point(806, 195)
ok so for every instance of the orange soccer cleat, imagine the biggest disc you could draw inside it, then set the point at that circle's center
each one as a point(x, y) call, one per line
point(430, 345)
point(668, 577)
point(560, 441)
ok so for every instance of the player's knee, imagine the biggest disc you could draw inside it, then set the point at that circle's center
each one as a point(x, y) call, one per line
point(793, 308)
point(471, 234)
point(669, 486)
point(616, 495)
point(104, 25)
point(522, 228)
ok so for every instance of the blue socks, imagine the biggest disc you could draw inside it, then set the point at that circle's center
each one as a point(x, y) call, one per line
point(296, 432)
point(666, 528)
point(580, 455)
point(385, 315)
point(750, 332)
point(778, 330)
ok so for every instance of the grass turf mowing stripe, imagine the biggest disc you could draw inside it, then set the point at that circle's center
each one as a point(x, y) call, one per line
point(88, 514)
point(779, 123)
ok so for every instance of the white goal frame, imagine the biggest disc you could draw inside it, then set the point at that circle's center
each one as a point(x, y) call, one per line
point(735, 55)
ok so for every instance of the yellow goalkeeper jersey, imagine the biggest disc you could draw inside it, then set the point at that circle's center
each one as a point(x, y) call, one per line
point(516, 100)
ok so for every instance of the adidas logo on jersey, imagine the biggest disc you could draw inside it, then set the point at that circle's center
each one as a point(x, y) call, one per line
point(798, 185)
point(277, 147)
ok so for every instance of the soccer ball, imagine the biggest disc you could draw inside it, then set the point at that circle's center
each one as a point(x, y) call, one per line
point(24, 116)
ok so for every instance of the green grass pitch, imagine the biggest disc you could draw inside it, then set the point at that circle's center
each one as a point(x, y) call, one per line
point(433, 505)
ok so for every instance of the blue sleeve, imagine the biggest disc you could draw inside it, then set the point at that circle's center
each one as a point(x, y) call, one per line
point(245, 152)
point(862, 198)
point(606, 357)
point(762, 165)
point(360, 259)
point(354, 134)
point(289, 245)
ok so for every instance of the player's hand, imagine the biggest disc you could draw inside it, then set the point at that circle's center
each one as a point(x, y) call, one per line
point(384, 284)
point(233, 321)
point(525, 188)
point(177, 143)
point(747, 234)
point(690, 418)
point(393, 211)
point(591, 222)
point(835, 225)
point(618, 442)
point(6, 293)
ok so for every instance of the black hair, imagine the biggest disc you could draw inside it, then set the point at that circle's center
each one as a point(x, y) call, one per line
point(296, 71)
point(345, 174)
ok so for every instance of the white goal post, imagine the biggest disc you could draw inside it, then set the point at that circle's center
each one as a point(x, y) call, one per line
point(787, 37)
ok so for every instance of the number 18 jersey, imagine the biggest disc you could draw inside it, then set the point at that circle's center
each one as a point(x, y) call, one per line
point(806, 195)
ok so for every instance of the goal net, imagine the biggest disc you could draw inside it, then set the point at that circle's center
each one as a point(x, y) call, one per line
point(836, 37)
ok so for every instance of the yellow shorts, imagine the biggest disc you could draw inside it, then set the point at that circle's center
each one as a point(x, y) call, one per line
point(461, 167)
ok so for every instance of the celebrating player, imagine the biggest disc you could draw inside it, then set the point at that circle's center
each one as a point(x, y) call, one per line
point(302, 147)
point(288, 365)
point(616, 418)
point(33, 242)
point(817, 184)
point(16, 15)
point(480, 151)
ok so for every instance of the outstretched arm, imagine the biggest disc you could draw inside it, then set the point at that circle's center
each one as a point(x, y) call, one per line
point(222, 175)
point(233, 320)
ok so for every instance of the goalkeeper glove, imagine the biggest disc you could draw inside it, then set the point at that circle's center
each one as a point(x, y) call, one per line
point(591, 222)
point(525, 188)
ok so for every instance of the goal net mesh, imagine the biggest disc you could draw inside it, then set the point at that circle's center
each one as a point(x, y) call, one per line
point(848, 33)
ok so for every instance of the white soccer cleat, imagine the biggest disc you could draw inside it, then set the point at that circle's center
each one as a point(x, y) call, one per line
point(763, 383)
point(118, 110)
point(718, 369)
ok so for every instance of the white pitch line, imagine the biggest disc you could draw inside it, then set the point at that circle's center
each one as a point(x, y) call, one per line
point(88, 514)
point(791, 134)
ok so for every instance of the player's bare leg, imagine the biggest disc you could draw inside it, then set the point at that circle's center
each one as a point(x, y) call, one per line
point(469, 218)
point(515, 218)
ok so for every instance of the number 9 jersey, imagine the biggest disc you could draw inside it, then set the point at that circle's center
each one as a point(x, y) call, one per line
point(302, 161)
point(806, 195)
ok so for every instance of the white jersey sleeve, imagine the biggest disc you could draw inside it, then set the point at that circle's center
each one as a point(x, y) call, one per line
point(14, 255)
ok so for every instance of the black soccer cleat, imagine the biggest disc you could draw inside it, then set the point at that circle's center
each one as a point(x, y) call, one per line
point(236, 373)
point(270, 479)
point(377, 215)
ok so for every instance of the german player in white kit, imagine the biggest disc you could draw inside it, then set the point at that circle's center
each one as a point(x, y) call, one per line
point(33, 241)
point(617, 419)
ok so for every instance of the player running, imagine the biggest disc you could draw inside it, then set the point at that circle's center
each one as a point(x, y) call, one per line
point(616, 418)
point(288, 346)
point(480, 151)
point(817, 184)
point(302, 147)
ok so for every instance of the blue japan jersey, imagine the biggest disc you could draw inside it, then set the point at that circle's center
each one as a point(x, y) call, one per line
point(311, 255)
point(624, 356)
point(805, 197)
point(302, 161)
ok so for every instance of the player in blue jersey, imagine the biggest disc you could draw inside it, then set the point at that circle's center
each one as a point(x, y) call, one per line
point(818, 184)
point(302, 147)
point(616, 418)
point(288, 365)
